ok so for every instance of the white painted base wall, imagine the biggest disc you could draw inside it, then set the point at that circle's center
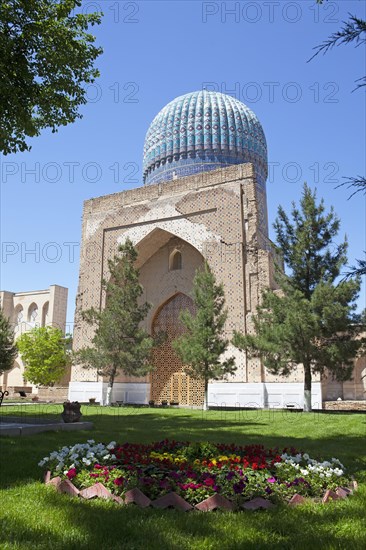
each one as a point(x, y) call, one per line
point(262, 395)
point(126, 392)
point(220, 394)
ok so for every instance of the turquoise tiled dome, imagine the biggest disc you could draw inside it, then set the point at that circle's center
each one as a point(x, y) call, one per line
point(203, 131)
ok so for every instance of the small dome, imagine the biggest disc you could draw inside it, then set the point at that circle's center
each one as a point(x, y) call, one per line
point(203, 131)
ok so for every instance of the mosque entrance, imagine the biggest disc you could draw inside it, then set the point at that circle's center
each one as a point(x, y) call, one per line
point(168, 381)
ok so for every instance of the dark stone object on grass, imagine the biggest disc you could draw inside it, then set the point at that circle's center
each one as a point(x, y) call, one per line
point(71, 412)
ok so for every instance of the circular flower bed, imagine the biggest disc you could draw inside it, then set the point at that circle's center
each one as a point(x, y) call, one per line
point(196, 471)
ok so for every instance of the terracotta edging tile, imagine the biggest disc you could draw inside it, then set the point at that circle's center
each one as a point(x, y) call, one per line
point(55, 481)
point(330, 495)
point(354, 485)
point(343, 492)
point(135, 496)
point(296, 500)
point(257, 503)
point(214, 502)
point(96, 490)
point(174, 500)
point(67, 487)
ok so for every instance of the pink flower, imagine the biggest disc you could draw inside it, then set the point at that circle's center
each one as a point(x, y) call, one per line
point(271, 480)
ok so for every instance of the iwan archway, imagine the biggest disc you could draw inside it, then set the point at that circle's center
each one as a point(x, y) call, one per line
point(168, 380)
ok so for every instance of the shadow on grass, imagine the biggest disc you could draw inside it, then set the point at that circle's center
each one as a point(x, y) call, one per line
point(321, 435)
point(75, 524)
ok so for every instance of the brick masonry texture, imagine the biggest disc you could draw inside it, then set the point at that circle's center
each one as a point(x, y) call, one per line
point(215, 216)
point(211, 216)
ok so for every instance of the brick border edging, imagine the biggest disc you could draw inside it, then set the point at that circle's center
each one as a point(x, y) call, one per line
point(173, 500)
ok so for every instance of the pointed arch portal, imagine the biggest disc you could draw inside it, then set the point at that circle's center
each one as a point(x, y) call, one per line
point(168, 381)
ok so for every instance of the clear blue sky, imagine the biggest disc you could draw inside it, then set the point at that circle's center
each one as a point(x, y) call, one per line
point(155, 51)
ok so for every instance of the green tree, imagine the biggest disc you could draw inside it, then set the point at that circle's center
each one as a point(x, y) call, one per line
point(353, 30)
point(44, 352)
point(119, 342)
point(8, 350)
point(202, 346)
point(47, 57)
point(311, 320)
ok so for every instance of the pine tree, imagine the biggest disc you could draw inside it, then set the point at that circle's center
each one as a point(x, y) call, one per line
point(119, 342)
point(311, 320)
point(202, 346)
point(8, 350)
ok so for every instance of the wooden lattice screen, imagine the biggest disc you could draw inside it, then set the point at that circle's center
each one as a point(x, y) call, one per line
point(168, 381)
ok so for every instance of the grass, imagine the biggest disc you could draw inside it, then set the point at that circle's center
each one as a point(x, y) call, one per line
point(35, 516)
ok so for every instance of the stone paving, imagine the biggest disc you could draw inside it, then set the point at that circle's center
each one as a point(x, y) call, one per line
point(21, 428)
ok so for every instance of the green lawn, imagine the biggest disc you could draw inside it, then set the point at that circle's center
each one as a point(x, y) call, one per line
point(35, 516)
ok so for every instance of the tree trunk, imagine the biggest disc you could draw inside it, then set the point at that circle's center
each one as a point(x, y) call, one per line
point(205, 397)
point(109, 391)
point(307, 387)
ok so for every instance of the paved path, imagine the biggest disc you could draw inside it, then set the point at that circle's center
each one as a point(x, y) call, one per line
point(19, 428)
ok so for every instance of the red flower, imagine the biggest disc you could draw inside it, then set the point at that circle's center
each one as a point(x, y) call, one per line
point(71, 473)
point(209, 481)
point(118, 481)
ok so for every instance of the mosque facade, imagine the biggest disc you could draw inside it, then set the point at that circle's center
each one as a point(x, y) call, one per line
point(25, 311)
point(203, 198)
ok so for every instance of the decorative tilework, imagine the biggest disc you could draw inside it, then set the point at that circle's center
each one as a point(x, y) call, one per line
point(202, 131)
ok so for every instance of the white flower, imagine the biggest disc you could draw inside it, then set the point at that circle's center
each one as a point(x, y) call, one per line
point(305, 456)
point(304, 472)
point(111, 445)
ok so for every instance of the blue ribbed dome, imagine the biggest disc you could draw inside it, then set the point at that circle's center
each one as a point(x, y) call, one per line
point(203, 131)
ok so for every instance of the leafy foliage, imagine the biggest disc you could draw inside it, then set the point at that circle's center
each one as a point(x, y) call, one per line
point(44, 353)
point(47, 56)
point(119, 343)
point(353, 30)
point(8, 350)
point(196, 471)
point(310, 321)
point(202, 346)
